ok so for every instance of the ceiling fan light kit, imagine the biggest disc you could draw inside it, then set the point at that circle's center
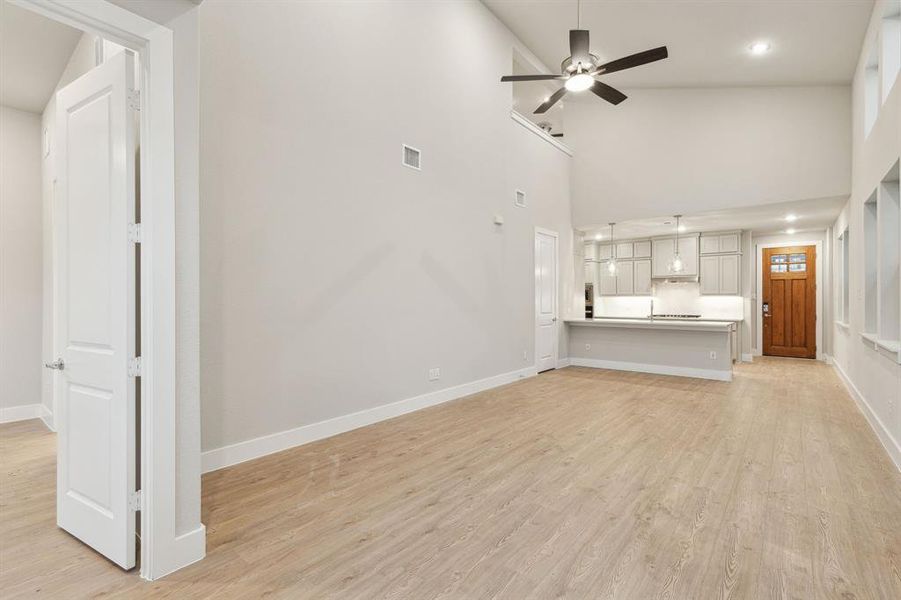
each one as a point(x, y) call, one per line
point(579, 71)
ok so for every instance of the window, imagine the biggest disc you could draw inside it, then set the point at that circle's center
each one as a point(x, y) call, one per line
point(844, 310)
point(889, 271)
point(891, 46)
point(869, 262)
point(871, 91)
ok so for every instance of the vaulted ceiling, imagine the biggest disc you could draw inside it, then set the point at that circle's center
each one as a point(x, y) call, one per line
point(812, 43)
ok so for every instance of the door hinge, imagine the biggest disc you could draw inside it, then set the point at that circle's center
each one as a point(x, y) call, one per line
point(134, 367)
point(134, 99)
point(135, 232)
point(136, 501)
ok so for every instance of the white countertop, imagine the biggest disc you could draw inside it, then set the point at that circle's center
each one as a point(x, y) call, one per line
point(739, 320)
point(672, 324)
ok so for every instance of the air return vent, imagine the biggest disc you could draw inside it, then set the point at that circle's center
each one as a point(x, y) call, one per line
point(520, 199)
point(412, 158)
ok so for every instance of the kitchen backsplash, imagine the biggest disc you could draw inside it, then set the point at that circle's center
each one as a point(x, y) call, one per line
point(671, 298)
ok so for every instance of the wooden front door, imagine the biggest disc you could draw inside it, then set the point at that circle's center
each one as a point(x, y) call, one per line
point(789, 301)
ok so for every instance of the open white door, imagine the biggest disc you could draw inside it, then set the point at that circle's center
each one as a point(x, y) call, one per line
point(94, 333)
point(545, 300)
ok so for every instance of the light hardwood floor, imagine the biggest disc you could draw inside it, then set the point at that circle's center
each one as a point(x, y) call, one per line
point(579, 483)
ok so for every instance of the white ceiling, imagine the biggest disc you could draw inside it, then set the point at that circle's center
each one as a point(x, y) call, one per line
point(812, 42)
point(811, 215)
point(34, 51)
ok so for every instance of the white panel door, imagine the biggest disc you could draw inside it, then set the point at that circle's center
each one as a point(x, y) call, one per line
point(545, 301)
point(94, 272)
point(641, 277)
point(710, 274)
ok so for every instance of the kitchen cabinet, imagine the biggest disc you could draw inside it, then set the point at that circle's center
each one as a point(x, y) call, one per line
point(624, 278)
point(720, 243)
point(641, 249)
point(641, 277)
point(624, 250)
point(591, 273)
point(605, 251)
point(606, 282)
point(591, 251)
point(721, 275)
point(663, 250)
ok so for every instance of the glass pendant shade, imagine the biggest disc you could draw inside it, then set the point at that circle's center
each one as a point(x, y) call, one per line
point(611, 264)
point(676, 265)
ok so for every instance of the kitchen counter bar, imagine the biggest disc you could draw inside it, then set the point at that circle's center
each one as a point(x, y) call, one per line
point(685, 348)
point(679, 324)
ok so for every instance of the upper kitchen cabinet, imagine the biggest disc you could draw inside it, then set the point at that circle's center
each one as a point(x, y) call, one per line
point(663, 250)
point(720, 243)
point(641, 249)
point(591, 251)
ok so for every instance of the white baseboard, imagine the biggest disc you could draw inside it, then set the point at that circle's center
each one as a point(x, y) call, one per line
point(25, 412)
point(888, 442)
point(234, 454)
point(188, 549)
point(655, 369)
point(562, 363)
point(747, 358)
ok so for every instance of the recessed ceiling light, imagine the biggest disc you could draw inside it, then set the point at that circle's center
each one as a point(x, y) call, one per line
point(682, 228)
point(791, 218)
point(790, 231)
point(598, 236)
point(758, 48)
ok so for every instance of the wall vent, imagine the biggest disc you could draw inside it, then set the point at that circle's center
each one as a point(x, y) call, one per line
point(412, 158)
point(520, 199)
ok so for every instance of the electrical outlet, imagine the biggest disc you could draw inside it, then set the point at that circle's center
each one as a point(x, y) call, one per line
point(588, 346)
point(434, 374)
point(712, 355)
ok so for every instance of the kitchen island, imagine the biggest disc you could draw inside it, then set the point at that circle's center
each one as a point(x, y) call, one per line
point(687, 348)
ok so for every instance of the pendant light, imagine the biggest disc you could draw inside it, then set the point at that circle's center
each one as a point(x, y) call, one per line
point(611, 264)
point(676, 265)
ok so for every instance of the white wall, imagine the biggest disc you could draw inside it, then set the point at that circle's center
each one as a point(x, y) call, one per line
point(20, 258)
point(669, 151)
point(333, 277)
point(875, 377)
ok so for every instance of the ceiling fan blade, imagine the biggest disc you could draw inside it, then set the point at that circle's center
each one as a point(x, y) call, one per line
point(541, 77)
point(550, 101)
point(578, 46)
point(634, 60)
point(611, 95)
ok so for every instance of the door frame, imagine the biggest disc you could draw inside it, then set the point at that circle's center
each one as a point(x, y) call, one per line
point(556, 237)
point(818, 281)
point(162, 550)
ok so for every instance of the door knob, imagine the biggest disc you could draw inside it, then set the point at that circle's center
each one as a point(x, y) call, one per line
point(58, 364)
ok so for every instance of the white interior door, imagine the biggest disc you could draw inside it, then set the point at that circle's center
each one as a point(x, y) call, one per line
point(94, 272)
point(545, 300)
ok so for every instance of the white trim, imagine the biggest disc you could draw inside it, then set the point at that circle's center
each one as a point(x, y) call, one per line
point(161, 547)
point(562, 363)
point(819, 291)
point(188, 548)
point(234, 454)
point(617, 365)
point(747, 357)
point(540, 133)
point(892, 448)
point(25, 412)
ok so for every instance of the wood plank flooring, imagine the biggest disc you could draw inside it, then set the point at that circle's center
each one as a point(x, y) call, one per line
point(579, 483)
